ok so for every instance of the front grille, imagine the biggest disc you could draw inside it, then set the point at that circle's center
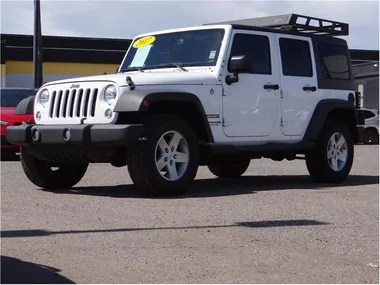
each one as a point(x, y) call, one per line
point(75, 103)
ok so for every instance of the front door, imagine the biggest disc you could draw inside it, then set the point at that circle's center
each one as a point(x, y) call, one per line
point(251, 105)
point(298, 83)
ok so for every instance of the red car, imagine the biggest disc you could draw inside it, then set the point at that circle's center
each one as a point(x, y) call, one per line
point(9, 98)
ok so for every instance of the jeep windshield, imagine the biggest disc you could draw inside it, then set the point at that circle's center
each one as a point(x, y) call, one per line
point(177, 49)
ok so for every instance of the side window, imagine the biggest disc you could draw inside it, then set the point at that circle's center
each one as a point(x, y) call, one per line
point(369, 114)
point(295, 58)
point(334, 61)
point(257, 47)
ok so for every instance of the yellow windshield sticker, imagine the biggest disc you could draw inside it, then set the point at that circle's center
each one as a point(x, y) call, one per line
point(144, 42)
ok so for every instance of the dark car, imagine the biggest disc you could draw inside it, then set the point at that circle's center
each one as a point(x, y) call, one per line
point(371, 125)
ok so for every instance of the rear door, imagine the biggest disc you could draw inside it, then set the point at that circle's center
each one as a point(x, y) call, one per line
point(299, 89)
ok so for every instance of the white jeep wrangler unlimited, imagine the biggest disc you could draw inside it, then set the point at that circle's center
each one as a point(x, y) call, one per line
point(216, 95)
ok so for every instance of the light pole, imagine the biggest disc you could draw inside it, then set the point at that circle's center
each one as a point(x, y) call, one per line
point(37, 46)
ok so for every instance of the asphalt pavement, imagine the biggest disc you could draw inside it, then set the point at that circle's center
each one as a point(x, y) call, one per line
point(271, 226)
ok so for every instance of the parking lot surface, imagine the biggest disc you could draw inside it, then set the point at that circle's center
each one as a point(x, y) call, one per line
point(271, 226)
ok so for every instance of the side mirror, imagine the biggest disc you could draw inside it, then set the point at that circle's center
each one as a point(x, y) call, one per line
point(238, 63)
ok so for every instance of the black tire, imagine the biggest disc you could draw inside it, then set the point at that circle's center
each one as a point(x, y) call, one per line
point(41, 174)
point(141, 157)
point(317, 162)
point(371, 136)
point(229, 167)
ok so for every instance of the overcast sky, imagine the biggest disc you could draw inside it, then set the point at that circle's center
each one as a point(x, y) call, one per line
point(126, 19)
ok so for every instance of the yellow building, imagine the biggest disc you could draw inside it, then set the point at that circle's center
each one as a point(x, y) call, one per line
point(63, 57)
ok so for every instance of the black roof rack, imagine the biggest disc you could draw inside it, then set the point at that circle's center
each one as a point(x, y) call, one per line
point(296, 23)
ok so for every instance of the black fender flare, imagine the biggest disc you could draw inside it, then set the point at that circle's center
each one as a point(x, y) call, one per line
point(141, 100)
point(322, 111)
point(25, 106)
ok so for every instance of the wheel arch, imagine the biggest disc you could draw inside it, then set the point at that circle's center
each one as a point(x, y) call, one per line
point(371, 128)
point(25, 106)
point(335, 109)
point(139, 105)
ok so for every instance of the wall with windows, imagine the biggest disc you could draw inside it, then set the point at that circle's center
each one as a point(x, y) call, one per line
point(20, 73)
point(2, 67)
point(3, 73)
point(367, 78)
point(63, 57)
point(369, 88)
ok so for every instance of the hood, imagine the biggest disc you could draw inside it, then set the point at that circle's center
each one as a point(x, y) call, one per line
point(154, 77)
point(7, 111)
point(8, 115)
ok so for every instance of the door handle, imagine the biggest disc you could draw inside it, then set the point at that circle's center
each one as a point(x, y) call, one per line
point(310, 88)
point(270, 86)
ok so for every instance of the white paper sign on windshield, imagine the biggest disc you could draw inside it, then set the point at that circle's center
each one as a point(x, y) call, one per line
point(140, 56)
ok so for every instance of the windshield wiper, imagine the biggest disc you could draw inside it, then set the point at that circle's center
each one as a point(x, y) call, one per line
point(132, 69)
point(179, 65)
point(163, 65)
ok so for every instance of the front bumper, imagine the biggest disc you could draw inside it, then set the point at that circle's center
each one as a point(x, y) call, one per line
point(80, 135)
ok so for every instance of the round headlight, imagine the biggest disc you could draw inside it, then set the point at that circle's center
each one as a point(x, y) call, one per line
point(44, 97)
point(110, 94)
